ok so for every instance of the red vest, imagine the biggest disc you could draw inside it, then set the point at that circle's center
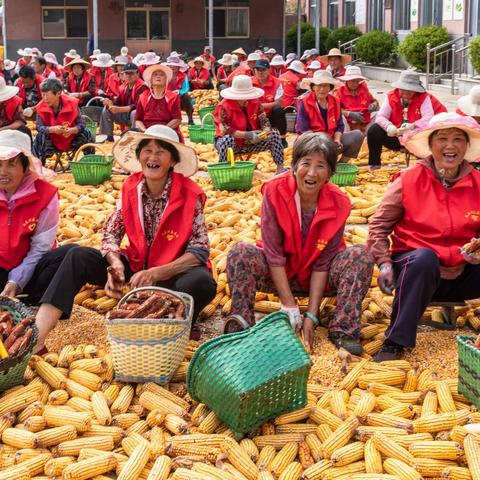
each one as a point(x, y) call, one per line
point(339, 73)
point(435, 217)
point(437, 105)
point(270, 89)
point(46, 73)
point(136, 92)
point(58, 71)
point(84, 85)
point(333, 208)
point(238, 120)
point(174, 230)
point(11, 106)
point(21, 89)
point(289, 83)
point(317, 124)
point(177, 82)
point(277, 71)
point(96, 72)
point(18, 227)
point(358, 103)
point(413, 112)
point(221, 74)
point(243, 69)
point(112, 85)
point(67, 115)
point(194, 76)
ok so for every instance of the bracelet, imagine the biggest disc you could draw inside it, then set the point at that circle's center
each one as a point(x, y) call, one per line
point(311, 317)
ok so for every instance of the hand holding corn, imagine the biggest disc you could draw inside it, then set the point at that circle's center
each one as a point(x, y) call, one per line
point(471, 251)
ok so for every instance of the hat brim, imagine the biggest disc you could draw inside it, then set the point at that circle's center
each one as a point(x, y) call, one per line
point(124, 153)
point(183, 68)
point(96, 63)
point(307, 83)
point(467, 107)
point(205, 63)
point(239, 51)
point(345, 58)
point(150, 62)
point(347, 78)
point(8, 92)
point(303, 72)
point(228, 64)
point(417, 143)
point(408, 86)
point(231, 93)
point(147, 74)
point(76, 61)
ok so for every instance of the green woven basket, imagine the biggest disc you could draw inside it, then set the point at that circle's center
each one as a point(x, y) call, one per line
point(204, 133)
point(12, 369)
point(250, 377)
point(91, 169)
point(469, 370)
point(92, 126)
point(205, 111)
point(345, 175)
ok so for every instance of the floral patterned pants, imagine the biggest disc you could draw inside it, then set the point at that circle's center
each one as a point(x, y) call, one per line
point(349, 278)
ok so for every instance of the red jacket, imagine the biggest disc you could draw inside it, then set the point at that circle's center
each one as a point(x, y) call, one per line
point(194, 76)
point(238, 120)
point(277, 71)
point(95, 71)
point(358, 103)
point(46, 73)
point(136, 92)
point(176, 84)
point(333, 209)
point(317, 124)
point(174, 230)
point(67, 116)
point(58, 70)
point(112, 85)
point(221, 74)
point(270, 88)
point(19, 224)
point(11, 106)
point(242, 69)
point(290, 91)
point(84, 84)
point(21, 89)
point(435, 217)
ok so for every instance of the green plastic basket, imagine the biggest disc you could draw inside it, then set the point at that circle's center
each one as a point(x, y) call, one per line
point(250, 377)
point(469, 370)
point(204, 133)
point(91, 169)
point(12, 369)
point(345, 175)
point(205, 111)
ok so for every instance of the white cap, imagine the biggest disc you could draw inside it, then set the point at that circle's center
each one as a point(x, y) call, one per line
point(253, 57)
point(297, 66)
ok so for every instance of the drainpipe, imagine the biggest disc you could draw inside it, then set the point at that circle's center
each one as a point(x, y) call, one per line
point(317, 25)
point(299, 28)
point(95, 23)
point(210, 24)
point(4, 30)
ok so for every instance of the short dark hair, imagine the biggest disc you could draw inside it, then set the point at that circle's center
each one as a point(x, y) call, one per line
point(309, 143)
point(41, 61)
point(166, 145)
point(51, 85)
point(27, 72)
point(24, 161)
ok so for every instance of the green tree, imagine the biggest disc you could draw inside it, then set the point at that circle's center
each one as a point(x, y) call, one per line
point(342, 35)
point(307, 37)
point(376, 47)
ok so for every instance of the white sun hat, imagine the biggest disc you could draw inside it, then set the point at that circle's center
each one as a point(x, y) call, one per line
point(227, 59)
point(253, 57)
point(319, 77)
point(9, 64)
point(13, 142)
point(120, 60)
point(277, 61)
point(290, 58)
point(124, 149)
point(242, 89)
point(149, 58)
point(470, 104)
point(297, 66)
point(72, 53)
point(25, 52)
point(271, 51)
point(124, 51)
point(51, 58)
point(173, 61)
point(315, 65)
point(138, 59)
point(147, 74)
point(352, 72)
point(6, 91)
point(103, 60)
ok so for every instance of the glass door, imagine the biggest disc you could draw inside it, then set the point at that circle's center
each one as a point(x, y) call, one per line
point(375, 15)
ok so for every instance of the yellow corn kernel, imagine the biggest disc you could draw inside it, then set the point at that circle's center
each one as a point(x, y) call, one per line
point(373, 458)
point(337, 404)
point(441, 450)
point(92, 365)
point(36, 465)
point(116, 433)
point(295, 416)
point(151, 401)
point(161, 468)
point(440, 421)
point(292, 472)
point(212, 472)
point(123, 401)
point(411, 380)
point(186, 474)
point(55, 466)
point(18, 472)
point(350, 381)
point(348, 454)
point(305, 455)
point(53, 436)
point(57, 417)
point(456, 473)
point(346, 471)
point(321, 415)
point(394, 466)
point(80, 405)
point(316, 471)
point(340, 436)
point(155, 418)
point(209, 424)
point(163, 392)
point(136, 463)
point(89, 468)
point(392, 449)
point(100, 407)
point(73, 447)
point(389, 377)
point(50, 374)
point(265, 457)
point(240, 459)
point(385, 420)
point(406, 440)
point(18, 438)
point(430, 467)
point(87, 379)
point(323, 431)
point(472, 454)
point(283, 458)
point(249, 446)
point(34, 424)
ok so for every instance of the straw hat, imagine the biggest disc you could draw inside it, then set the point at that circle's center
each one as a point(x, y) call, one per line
point(253, 57)
point(319, 77)
point(335, 52)
point(120, 60)
point(352, 73)
point(103, 60)
point(6, 91)
point(290, 58)
point(51, 58)
point(192, 63)
point(227, 59)
point(13, 142)
point(315, 65)
point(277, 61)
point(176, 62)
point(416, 141)
point(25, 52)
point(124, 149)
point(77, 61)
point(239, 51)
point(297, 66)
point(409, 80)
point(149, 58)
point(147, 74)
point(470, 104)
point(72, 53)
point(242, 89)
point(9, 64)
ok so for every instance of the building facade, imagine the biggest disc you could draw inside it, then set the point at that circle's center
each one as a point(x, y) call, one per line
point(161, 25)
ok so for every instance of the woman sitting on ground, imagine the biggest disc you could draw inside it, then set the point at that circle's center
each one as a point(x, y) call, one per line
point(320, 111)
point(302, 222)
point(425, 261)
point(161, 213)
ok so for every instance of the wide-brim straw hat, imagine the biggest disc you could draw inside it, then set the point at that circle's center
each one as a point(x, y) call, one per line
point(124, 149)
point(409, 80)
point(72, 53)
point(149, 58)
point(470, 104)
point(335, 52)
point(352, 73)
point(239, 51)
point(277, 61)
point(174, 61)
point(6, 91)
point(319, 77)
point(147, 74)
point(297, 66)
point(242, 89)
point(103, 60)
point(13, 142)
point(77, 61)
point(25, 52)
point(51, 58)
point(227, 59)
point(416, 141)
point(205, 64)
point(9, 64)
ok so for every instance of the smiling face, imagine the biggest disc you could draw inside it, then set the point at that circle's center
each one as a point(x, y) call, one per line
point(11, 174)
point(448, 148)
point(311, 174)
point(322, 90)
point(335, 62)
point(156, 161)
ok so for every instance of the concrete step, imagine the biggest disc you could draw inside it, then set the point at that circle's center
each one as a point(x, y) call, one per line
point(443, 88)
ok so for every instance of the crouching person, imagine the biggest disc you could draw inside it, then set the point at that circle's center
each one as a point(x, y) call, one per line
point(302, 222)
point(60, 125)
point(161, 213)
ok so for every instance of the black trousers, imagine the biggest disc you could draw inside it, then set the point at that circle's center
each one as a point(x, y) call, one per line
point(186, 105)
point(81, 265)
point(278, 120)
point(377, 138)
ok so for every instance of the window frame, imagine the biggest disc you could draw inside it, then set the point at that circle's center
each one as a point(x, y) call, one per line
point(350, 2)
point(433, 4)
point(147, 10)
point(332, 3)
point(379, 6)
point(405, 9)
point(226, 8)
point(64, 8)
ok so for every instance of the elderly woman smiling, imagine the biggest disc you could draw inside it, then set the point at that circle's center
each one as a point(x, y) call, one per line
point(431, 210)
point(302, 222)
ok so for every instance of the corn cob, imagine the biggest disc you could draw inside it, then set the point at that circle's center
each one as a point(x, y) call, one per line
point(295, 416)
point(55, 466)
point(53, 436)
point(151, 401)
point(26, 454)
point(212, 472)
point(89, 468)
point(175, 424)
point(34, 424)
point(80, 405)
point(385, 420)
point(406, 440)
point(89, 380)
point(240, 459)
point(18, 472)
point(346, 471)
point(278, 441)
point(430, 404)
point(161, 468)
point(13, 403)
point(125, 420)
point(291, 472)
point(209, 424)
point(73, 447)
point(20, 438)
point(208, 453)
point(456, 473)
point(56, 417)
point(92, 365)
point(162, 392)
point(123, 401)
point(458, 434)
point(389, 377)
point(348, 454)
point(265, 457)
point(323, 431)
point(373, 458)
point(411, 379)
point(403, 411)
point(365, 405)
point(250, 448)
point(394, 466)
point(445, 399)
point(137, 461)
point(154, 418)
point(391, 449)
point(472, 454)
point(441, 450)
point(429, 467)
point(76, 389)
point(440, 421)
point(100, 408)
point(36, 465)
point(340, 436)
point(58, 397)
point(185, 474)
point(337, 404)
point(34, 409)
point(316, 472)
point(320, 415)
point(324, 400)
point(304, 428)
point(283, 458)
point(50, 374)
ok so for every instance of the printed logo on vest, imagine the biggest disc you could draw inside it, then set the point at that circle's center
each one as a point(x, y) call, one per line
point(474, 215)
point(170, 234)
point(321, 244)
point(30, 224)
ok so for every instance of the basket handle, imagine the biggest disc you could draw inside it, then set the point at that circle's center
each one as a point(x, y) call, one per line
point(90, 145)
point(205, 116)
point(230, 156)
point(93, 99)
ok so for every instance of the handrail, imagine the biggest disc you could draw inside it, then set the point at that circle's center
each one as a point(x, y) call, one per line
point(451, 42)
point(350, 42)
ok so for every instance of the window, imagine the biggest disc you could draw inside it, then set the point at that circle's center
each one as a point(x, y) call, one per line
point(375, 15)
point(64, 18)
point(401, 15)
point(231, 19)
point(349, 12)
point(432, 12)
point(147, 23)
point(332, 14)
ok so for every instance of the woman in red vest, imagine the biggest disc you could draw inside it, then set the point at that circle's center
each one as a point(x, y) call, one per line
point(11, 117)
point(113, 82)
point(405, 105)
point(53, 65)
point(80, 84)
point(336, 62)
point(355, 99)
point(291, 80)
point(101, 70)
point(179, 83)
point(224, 71)
point(210, 59)
point(161, 214)
point(157, 105)
point(420, 249)
point(198, 75)
point(277, 66)
point(302, 250)
point(320, 111)
point(28, 85)
point(241, 123)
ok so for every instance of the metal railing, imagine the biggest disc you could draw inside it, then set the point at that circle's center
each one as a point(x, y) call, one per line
point(441, 59)
point(348, 48)
point(460, 64)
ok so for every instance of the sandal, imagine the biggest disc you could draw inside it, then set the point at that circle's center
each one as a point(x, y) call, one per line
point(234, 324)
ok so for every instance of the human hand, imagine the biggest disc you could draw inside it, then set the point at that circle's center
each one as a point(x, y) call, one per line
point(339, 145)
point(386, 279)
point(252, 137)
point(10, 290)
point(294, 316)
point(356, 117)
point(308, 329)
point(106, 102)
point(471, 251)
point(392, 131)
point(57, 130)
point(114, 109)
point(115, 279)
point(143, 278)
point(67, 132)
point(373, 107)
point(404, 128)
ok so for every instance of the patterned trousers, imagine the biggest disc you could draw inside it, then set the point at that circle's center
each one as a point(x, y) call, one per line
point(349, 278)
point(273, 143)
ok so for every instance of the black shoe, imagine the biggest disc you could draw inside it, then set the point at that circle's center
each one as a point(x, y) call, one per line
point(110, 138)
point(351, 345)
point(389, 351)
point(190, 121)
point(284, 143)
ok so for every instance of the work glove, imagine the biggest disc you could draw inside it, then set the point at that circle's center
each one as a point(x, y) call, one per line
point(404, 128)
point(294, 316)
point(392, 131)
point(101, 92)
point(356, 117)
point(386, 280)
point(373, 107)
point(252, 137)
point(28, 112)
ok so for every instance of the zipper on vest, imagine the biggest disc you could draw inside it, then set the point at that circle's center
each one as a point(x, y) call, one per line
point(451, 224)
